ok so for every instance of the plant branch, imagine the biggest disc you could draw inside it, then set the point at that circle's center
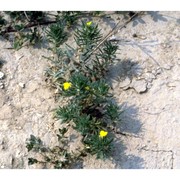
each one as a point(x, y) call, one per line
point(26, 16)
point(110, 33)
point(9, 29)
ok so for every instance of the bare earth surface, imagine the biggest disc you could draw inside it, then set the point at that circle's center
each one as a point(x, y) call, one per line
point(145, 83)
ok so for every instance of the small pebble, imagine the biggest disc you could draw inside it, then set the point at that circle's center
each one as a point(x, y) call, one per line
point(22, 85)
point(154, 72)
point(2, 166)
point(1, 75)
point(142, 37)
point(158, 71)
point(166, 45)
point(167, 67)
point(113, 37)
point(56, 91)
point(139, 85)
point(1, 86)
point(149, 85)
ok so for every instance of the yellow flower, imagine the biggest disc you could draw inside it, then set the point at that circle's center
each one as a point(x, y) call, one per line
point(67, 85)
point(87, 88)
point(103, 134)
point(89, 23)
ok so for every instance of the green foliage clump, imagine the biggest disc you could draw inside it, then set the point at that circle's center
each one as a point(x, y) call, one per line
point(90, 111)
point(32, 16)
point(83, 58)
point(58, 156)
point(87, 37)
point(2, 21)
point(68, 17)
point(77, 72)
point(56, 34)
point(102, 147)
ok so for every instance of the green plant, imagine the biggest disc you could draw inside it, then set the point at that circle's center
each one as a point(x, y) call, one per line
point(56, 34)
point(57, 156)
point(16, 15)
point(112, 111)
point(33, 16)
point(68, 17)
point(87, 36)
point(68, 60)
point(2, 21)
point(89, 110)
point(78, 74)
point(18, 42)
point(24, 25)
point(101, 146)
point(67, 113)
point(33, 37)
point(36, 144)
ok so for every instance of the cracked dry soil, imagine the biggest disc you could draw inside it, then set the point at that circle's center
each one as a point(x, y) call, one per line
point(145, 82)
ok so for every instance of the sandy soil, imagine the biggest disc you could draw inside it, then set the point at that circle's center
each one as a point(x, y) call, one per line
point(145, 83)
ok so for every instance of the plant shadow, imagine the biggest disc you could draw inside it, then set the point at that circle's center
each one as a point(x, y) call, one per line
point(2, 62)
point(123, 160)
point(129, 122)
point(129, 126)
point(124, 69)
point(138, 20)
point(155, 15)
point(109, 21)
